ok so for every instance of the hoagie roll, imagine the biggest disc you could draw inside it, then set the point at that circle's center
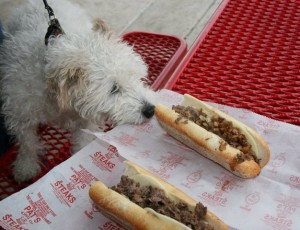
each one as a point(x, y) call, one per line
point(144, 201)
point(216, 136)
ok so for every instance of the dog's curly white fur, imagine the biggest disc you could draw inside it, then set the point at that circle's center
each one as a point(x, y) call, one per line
point(77, 80)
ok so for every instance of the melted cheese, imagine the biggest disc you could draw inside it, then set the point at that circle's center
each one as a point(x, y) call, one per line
point(211, 111)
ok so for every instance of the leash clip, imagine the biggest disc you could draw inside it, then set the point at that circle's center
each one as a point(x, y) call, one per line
point(54, 28)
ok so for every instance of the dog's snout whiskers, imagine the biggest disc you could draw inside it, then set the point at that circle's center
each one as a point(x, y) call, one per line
point(148, 110)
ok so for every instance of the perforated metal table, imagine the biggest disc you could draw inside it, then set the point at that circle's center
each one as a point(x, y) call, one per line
point(248, 56)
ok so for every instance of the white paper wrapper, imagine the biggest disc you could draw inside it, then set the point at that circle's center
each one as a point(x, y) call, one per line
point(270, 201)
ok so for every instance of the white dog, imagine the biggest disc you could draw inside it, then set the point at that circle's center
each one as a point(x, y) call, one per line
point(79, 79)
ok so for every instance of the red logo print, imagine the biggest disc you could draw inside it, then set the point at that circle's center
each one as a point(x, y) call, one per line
point(294, 181)
point(63, 193)
point(168, 163)
point(104, 160)
point(80, 179)
point(110, 226)
point(90, 213)
point(245, 114)
point(287, 205)
point(268, 126)
point(142, 155)
point(277, 162)
point(112, 152)
point(36, 211)
point(10, 223)
point(250, 200)
point(223, 186)
point(145, 127)
point(126, 140)
point(192, 178)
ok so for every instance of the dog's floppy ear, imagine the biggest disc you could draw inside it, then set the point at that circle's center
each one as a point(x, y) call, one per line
point(100, 26)
point(65, 83)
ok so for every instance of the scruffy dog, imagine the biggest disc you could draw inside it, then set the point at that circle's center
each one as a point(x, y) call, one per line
point(77, 81)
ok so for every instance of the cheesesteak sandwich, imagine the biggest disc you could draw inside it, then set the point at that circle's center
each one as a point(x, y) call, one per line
point(215, 135)
point(144, 201)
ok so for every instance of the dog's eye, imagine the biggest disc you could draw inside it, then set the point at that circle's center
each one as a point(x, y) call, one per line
point(115, 89)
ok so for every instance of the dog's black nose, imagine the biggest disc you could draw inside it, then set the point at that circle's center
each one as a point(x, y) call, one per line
point(148, 110)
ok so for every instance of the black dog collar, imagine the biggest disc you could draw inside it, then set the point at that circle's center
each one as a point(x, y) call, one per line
point(54, 28)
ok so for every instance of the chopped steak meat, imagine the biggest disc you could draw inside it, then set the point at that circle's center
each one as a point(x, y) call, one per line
point(219, 126)
point(155, 198)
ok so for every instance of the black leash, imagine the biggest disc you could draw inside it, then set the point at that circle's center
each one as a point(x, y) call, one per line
point(54, 28)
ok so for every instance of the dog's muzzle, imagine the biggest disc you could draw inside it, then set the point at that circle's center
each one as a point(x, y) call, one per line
point(148, 110)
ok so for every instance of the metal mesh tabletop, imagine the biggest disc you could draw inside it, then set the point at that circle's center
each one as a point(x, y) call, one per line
point(247, 57)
